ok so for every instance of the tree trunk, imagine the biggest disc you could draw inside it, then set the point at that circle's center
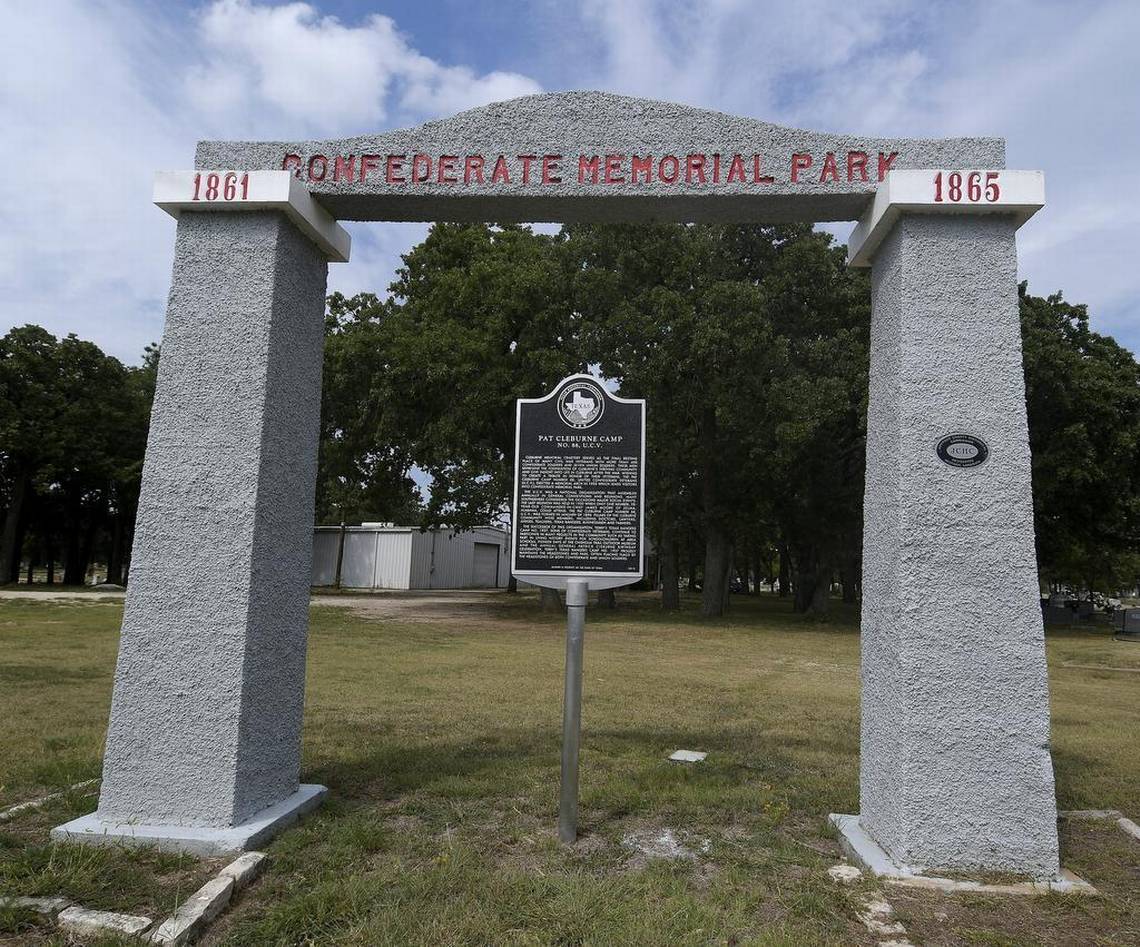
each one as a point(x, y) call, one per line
point(115, 553)
point(804, 567)
point(670, 592)
point(813, 582)
point(11, 537)
point(849, 576)
point(821, 595)
point(607, 599)
point(550, 600)
point(73, 538)
point(72, 571)
point(718, 564)
point(785, 571)
point(86, 548)
point(718, 542)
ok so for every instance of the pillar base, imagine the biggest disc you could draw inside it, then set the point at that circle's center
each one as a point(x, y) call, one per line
point(868, 854)
point(196, 840)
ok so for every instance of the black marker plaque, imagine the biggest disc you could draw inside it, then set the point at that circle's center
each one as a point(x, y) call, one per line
point(962, 450)
point(579, 485)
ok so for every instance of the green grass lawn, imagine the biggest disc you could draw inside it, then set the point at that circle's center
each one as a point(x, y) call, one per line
point(439, 743)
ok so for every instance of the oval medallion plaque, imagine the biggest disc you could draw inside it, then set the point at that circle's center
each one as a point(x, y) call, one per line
point(962, 450)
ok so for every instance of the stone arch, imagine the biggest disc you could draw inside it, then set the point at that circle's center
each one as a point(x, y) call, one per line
point(203, 747)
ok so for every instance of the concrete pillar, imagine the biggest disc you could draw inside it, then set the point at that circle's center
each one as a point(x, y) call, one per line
point(203, 747)
point(955, 772)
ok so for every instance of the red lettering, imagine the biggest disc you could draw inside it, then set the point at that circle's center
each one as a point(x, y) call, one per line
point(526, 160)
point(324, 167)
point(550, 169)
point(501, 174)
point(672, 176)
point(856, 161)
point(445, 169)
point(344, 168)
point(716, 169)
point(885, 162)
point(294, 162)
point(758, 178)
point(800, 162)
point(830, 171)
point(642, 166)
point(695, 165)
point(473, 168)
point(368, 163)
point(736, 170)
point(394, 169)
point(591, 165)
point(613, 173)
point(421, 169)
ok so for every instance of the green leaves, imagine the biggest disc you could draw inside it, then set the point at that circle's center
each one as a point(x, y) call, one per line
point(1083, 397)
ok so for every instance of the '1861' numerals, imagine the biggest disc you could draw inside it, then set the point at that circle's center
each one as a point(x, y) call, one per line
point(226, 186)
point(966, 187)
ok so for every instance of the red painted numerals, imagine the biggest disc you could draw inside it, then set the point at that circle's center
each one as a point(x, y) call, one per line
point(967, 187)
point(213, 186)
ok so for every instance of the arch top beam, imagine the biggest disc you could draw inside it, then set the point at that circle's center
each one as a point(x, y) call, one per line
point(573, 156)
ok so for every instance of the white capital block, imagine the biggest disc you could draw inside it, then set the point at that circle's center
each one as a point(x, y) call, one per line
point(939, 191)
point(237, 190)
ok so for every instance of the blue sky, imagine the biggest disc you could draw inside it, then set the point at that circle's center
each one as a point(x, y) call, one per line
point(96, 96)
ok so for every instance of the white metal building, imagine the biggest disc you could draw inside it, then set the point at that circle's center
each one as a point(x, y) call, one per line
point(382, 556)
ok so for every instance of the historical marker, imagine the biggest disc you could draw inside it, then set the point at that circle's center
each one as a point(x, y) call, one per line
point(579, 507)
point(579, 519)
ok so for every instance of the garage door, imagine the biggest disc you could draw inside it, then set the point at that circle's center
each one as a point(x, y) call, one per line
point(486, 572)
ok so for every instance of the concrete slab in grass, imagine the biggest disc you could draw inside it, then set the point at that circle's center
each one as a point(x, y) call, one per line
point(193, 914)
point(49, 907)
point(688, 756)
point(864, 850)
point(85, 922)
point(1089, 815)
point(197, 840)
point(244, 869)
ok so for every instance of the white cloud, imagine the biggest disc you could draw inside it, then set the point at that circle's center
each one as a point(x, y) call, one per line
point(81, 247)
point(1057, 80)
point(96, 97)
point(289, 67)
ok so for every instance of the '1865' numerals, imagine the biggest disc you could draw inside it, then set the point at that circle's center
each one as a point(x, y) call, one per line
point(957, 187)
point(224, 185)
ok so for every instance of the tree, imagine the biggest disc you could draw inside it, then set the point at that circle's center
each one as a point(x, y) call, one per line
point(750, 345)
point(127, 480)
point(73, 427)
point(365, 457)
point(814, 477)
point(480, 317)
point(1083, 400)
point(30, 401)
